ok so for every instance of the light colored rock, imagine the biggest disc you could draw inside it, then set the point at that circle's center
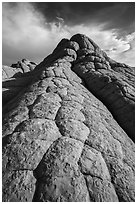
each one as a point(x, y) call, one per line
point(60, 142)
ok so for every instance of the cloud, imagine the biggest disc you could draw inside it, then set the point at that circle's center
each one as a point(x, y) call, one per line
point(128, 56)
point(116, 15)
point(120, 49)
point(120, 16)
point(28, 34)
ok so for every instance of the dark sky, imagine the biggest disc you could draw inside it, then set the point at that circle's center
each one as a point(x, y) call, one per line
point(115, 15)
point(32, 30)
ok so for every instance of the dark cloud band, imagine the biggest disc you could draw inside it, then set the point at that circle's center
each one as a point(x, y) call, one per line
point(112, 14)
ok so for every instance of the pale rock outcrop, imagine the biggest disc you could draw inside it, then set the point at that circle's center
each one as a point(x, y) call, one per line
point(17, 69)
point(14, 79)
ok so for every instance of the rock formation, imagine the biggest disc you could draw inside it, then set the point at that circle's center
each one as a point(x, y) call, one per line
point(16, 70)
point(68, 135)
point(14, 79)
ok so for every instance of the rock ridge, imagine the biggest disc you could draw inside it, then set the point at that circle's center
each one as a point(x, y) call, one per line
point(60, 142)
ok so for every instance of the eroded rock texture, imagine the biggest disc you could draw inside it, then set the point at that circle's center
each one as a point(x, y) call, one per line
point(60, 142)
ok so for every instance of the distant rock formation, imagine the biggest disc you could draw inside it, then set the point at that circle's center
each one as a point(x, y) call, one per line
point(68, 135)
point(16, 70)
point(14, 79)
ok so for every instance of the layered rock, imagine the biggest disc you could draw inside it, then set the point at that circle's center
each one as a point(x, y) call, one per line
point(111, 82)
point(62, 144)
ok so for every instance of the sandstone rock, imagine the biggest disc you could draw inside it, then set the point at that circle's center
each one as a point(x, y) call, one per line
point(25, 65)
point(22, 178)
point(14, 79)
point(8, 72)
point(17, 69)
point(113, 85)
point(60, 142)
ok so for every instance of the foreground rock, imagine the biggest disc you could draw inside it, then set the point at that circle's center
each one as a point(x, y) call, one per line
point(62, 144)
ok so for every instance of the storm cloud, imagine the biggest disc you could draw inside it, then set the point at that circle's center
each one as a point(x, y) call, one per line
point(32, 30)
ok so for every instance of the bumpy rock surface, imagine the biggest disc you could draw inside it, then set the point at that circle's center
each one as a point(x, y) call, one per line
point(60, 142)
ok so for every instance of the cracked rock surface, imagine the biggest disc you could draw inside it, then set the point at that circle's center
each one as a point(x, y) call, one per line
point(68, 135)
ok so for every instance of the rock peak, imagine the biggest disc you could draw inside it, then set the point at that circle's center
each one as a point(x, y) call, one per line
point(84, 41)
point(68, 128)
